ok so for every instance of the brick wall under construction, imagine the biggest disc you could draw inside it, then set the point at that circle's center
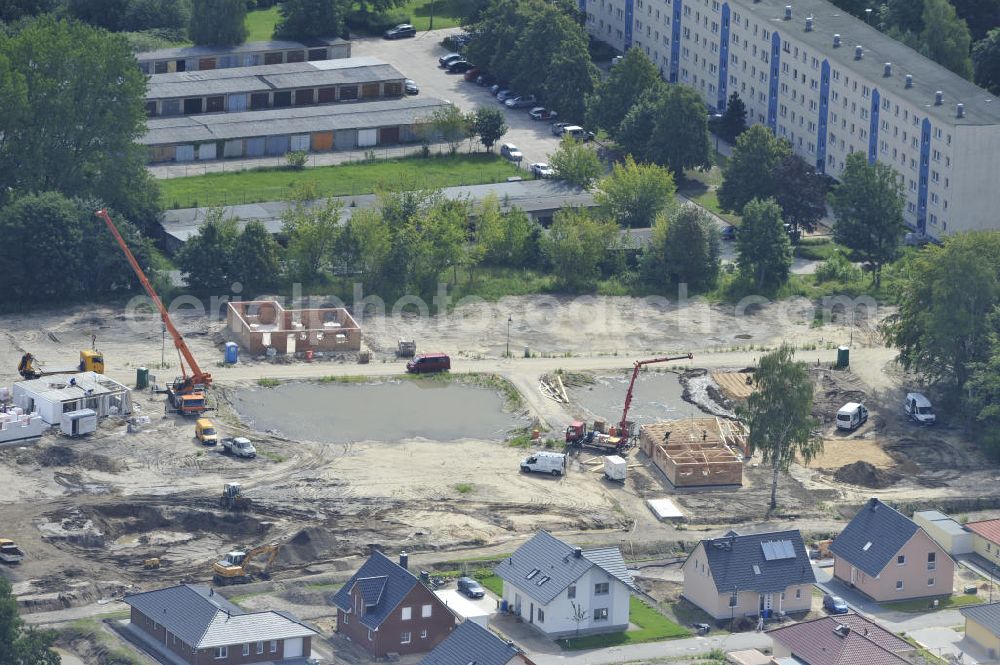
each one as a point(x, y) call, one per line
point(257, 325)
point(691, 453)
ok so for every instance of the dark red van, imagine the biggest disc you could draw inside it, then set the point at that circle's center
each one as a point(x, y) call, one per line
point(429, 362)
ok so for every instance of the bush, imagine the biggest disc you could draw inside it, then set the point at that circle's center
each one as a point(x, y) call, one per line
point(374, 24)
point(297, 159)
point(837, 269)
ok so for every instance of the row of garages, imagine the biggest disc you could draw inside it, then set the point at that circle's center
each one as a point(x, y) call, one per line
point(252, 54)
point(276, 133)
point(274, 86)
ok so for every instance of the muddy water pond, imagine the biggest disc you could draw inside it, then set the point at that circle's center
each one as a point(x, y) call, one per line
point(657, 396)
point(380, 411)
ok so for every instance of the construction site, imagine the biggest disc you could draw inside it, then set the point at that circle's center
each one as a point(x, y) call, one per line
point(351, 453)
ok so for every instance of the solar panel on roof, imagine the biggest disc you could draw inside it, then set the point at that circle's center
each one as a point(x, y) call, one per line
point(775, 550)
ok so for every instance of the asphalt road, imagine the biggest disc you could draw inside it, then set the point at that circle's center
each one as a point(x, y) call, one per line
point(417, 59)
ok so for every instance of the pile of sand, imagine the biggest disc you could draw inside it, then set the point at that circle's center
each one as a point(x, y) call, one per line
point(865, 474)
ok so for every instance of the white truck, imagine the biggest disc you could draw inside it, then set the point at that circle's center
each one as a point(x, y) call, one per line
point(239, 446)
point(851, 416)
point(544, 462)
point(10, 553)
point(919, 409)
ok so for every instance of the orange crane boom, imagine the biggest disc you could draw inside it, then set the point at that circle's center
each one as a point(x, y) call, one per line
point(639, 364)
point(197, 377)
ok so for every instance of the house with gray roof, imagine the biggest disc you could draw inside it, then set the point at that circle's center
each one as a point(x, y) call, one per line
point(982, 628)
point(248, 54)
point(385, 610)
point(472, 643)
point(750, 575)
point(562, 590)
point(887, 556)
point(197, 625)
point(847, 639)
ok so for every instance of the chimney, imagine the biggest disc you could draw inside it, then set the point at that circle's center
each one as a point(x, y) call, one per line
point(809, 24)
point(842, 630)
point(836, 41)
point(578, 552)
point(938, 98)
point(873, 502)
point(887, 70)
point(858, 52)
point(960, 110)
point(909, 80)
point(788, 12)
point(404, 560)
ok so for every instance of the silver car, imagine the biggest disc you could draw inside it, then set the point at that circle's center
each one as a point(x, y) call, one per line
point(511, 152)
point(542, 170)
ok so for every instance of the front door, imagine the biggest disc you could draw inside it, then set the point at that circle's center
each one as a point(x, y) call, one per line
point(531, 613)
point(517, 604)
point(765, 602)
point(854, 575)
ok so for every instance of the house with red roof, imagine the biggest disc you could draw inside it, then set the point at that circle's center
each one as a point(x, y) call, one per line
point(986, 539)
point(846, 639)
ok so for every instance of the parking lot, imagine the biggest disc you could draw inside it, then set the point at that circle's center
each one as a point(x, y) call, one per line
point(417, 59)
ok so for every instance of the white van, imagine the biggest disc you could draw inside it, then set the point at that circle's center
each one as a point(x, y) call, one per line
point(919, 408)
point(577, 132)
point(545, 462)
point(851, 416)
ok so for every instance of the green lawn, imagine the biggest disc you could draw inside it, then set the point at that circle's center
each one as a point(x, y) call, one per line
point(260, 24)
point(274, 184)
point(926, 604)
point(447, 13)
point(652, 627)
point(491, 582)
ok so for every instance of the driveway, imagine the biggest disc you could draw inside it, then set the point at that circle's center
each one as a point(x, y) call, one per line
point(417, 58)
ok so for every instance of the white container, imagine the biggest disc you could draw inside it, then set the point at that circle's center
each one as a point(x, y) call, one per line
point(79, 423)
point(615, 468)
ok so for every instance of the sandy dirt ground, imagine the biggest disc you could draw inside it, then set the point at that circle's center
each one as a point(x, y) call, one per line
point(89, 511)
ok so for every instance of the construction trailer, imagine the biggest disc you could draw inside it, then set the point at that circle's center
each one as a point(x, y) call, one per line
point(52, 396)
point(262, 324)
point(695, 452)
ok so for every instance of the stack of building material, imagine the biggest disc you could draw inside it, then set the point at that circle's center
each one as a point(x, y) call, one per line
point(16, 425)
point(691, 453)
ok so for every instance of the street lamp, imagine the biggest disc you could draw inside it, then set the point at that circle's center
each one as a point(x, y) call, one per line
point(509, 321)
point(868, 16)
point(431, 27)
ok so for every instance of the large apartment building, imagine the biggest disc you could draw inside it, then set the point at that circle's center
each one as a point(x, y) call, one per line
point(831, 85)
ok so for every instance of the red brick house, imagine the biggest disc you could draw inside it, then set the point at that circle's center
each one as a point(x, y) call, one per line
point(201, 627)
point(385, 609)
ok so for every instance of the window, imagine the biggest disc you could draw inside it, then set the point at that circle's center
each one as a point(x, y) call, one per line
point(369, 634)
point(274, 646)
point(901, 560)
point(541, 615)
point(423, 634)
point(346, 618)
point(425, 611)
point(260, 647)
point(246, 649)
point(601, 614)
point(932, 556)
point(571, 591)
point(222, 652)
point(899, 585)
point(798, 593)
point(405, 638)
point(407, 613)
point(601, 588)
point(734, 600)
point(930, 581)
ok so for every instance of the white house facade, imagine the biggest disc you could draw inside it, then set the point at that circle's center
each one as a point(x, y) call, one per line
point(831, 85)
point(564, 591)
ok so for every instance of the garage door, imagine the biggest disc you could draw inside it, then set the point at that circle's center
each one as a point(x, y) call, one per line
point(277, 145)
point(233, 148)
point(185, 153)
point(300, 142)
point(367, 137)
point(388, 136)
point(293, 647)
point(255, 147)
point(238, 102)
point(322, 141)
point(206, 151)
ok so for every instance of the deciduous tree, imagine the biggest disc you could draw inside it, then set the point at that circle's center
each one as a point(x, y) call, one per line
point(986, 61)
point(668, 126)
point(868, 205)
point(303, 19)
point(632, 195)
point(256, 262)
point(778, 414)
point(734, 118)
point(489, 124)
point(19, 644)
point(800, 191)
point(218, 22)
point(207, 258)
point(684, 249)
point(312, 230)
point(505, 237)
point(750, 171)
point(575, 246)
point(945, 37)
point(450, 124)
point(764, 252)
point(576, 162)
point(624, 85)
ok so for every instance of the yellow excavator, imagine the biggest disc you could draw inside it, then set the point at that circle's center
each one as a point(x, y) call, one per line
point(235, 568)
point(31, 368)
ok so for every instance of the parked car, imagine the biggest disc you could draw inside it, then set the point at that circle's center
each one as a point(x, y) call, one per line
point(505, 94)
point(411, 87)
point(511, 152)
point(486, 79)
point(459, 66)
point(240, 447)
point(919, 408)
point(495, 88)
point(400, 31)
point(429, 362)
point(446, 60)
point(557, 127)
point(835, 604)
point(542, 170)
point(577, 132)
point(470, 587)
point(851, 416)
point(545, 462)
point(522, 102)
point(472, 74)
point(542, 113)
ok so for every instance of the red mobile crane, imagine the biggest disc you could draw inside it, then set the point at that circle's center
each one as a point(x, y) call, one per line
point(577, 433)
point(186, 395)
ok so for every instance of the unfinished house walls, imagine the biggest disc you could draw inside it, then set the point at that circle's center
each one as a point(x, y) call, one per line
point(260, 324)
point(692, 453)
